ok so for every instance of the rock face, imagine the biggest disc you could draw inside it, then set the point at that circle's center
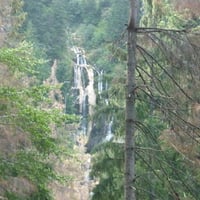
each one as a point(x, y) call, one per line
point(80, 187)
point(55, 94)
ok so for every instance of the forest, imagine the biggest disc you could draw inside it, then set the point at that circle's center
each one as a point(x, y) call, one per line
point(99, 100)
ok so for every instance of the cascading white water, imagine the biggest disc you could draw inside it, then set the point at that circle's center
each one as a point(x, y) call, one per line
point(100, 81)
point(84, 92)
point(109, 135)
point(86, 97)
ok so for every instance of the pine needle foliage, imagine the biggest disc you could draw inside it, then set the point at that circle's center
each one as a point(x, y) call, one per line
point(167, 136)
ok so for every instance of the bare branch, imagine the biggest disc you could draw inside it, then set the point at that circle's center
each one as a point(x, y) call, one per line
point(150, 30)
point(166, 72)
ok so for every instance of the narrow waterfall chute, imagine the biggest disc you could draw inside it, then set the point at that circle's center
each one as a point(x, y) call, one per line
point(109, 135)
point(100, 81)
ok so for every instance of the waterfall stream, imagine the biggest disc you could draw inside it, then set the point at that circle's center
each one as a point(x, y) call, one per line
point(84, 87)
point(109, 135)
point(100, 81)
point(85, 100)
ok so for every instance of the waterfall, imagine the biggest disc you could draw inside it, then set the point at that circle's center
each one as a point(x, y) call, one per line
point(84, 89)
point(100, 81)
point(109, 135)
point(85, 100)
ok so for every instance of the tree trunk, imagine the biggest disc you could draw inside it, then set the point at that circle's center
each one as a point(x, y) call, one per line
point(130, 105)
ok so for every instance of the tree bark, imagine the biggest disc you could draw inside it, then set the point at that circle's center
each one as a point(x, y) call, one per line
point(129, 190)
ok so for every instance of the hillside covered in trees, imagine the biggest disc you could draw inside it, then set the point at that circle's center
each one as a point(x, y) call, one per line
point(77, 78)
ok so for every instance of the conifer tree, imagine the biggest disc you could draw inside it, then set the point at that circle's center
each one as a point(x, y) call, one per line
point(163, 104)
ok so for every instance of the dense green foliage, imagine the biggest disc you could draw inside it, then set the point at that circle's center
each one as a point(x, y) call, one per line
point(30, 133)
point(22, 110)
